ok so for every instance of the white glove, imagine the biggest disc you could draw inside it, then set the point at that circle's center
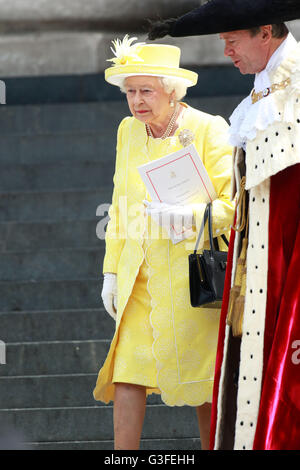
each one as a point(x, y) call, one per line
point(170, 215)
point(109, 294)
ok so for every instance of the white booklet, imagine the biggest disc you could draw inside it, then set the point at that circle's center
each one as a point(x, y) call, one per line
point(179, 178)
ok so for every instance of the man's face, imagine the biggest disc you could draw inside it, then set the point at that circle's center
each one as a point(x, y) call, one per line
point(248, 53)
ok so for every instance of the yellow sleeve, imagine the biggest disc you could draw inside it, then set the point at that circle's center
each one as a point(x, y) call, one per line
point(115, 233)
point(217, 159)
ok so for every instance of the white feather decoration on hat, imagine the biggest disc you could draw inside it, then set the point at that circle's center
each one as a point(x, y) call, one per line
point(125, 51)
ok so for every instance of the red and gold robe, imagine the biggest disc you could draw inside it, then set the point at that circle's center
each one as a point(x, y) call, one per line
point(256, 402)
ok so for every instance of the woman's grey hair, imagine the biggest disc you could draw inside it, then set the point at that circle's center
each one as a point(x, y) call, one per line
point(169, 84)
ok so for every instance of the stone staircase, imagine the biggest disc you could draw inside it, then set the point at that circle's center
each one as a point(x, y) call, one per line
point(56, 168)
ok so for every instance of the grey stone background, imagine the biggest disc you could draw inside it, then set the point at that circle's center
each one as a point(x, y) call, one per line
point(61, 37)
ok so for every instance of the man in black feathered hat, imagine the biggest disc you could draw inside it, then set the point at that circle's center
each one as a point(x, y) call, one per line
point(256, 402)
point(217, 16)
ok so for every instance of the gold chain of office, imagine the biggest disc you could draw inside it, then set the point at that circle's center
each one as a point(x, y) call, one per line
point(267, 91)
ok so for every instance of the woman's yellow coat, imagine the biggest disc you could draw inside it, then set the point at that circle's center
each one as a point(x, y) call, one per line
point(184, 338)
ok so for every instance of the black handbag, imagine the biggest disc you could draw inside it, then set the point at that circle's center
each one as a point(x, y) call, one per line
point(207, 269)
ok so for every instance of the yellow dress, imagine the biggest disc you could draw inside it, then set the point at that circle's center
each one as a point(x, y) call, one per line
point(134, 360)
point(160, 341)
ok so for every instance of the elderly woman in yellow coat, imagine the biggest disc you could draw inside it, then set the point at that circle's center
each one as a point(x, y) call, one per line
point(161, 344)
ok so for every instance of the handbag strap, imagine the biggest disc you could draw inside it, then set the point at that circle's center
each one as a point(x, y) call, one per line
point(205, 217)
point(210, 232)
point(213, 241)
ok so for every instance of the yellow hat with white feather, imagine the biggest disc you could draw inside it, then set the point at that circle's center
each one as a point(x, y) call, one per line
point(158, 60)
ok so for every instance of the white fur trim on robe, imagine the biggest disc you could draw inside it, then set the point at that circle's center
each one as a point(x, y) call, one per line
point(272, 150)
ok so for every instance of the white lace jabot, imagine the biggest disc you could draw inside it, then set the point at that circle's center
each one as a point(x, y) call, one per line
point(248, 118)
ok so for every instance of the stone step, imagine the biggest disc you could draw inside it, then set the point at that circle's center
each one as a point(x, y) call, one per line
point(54, 121)
point(56, 264)
point(52, 295)
point(50, 325)
point(58, 176)
point(84, 120)
point(76, 131)
point(54, 357)
point(47, 391)
point(75, 234)
point(80, 204)
point(146, 444)
point(96, 423)
point(53, 148)
point(52, 391)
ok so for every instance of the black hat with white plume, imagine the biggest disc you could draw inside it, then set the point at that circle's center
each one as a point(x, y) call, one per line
point(220, 16)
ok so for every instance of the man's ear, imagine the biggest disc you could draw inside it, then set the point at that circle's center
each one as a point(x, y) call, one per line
point(266, 33)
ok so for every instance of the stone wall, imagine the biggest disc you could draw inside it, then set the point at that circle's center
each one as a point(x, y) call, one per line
point(61, 37)
point(103, 15)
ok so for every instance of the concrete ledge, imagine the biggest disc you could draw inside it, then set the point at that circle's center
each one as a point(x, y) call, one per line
point(50, 325)
point(69, 424)
point(75, 53)
point(69, 53)
point(52, 54)
point(36, 15)
point(146, 444)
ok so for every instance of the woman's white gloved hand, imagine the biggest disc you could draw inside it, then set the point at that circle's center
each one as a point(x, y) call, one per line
point(110, 294)
point(168, 215)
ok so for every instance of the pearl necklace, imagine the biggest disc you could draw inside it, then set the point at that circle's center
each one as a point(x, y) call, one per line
point(169, 128)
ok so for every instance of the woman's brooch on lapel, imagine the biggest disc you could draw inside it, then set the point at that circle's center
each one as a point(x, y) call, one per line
point(186, 137)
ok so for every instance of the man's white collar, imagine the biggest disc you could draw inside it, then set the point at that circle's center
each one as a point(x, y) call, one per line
point(248, 118)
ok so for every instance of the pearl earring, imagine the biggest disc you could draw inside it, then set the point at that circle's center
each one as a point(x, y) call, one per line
point(172, 104)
